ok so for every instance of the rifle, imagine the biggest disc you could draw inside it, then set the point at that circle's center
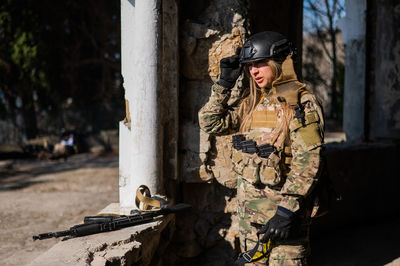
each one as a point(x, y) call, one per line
point(99, 224)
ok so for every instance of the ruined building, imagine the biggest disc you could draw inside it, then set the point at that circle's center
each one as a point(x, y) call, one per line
point(170, 58)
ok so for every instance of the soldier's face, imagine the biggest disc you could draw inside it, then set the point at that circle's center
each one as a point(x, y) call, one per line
point(262, 73)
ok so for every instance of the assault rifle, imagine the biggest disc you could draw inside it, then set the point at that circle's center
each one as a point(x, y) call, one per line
point(99, 224)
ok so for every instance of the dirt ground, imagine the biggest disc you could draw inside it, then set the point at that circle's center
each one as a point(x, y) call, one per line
point(42, 196)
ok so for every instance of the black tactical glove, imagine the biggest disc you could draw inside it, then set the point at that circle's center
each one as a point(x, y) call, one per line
point(230, 70)
point(279, 226)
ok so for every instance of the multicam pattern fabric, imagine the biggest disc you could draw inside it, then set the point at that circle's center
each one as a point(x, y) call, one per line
point(214, 117)
point(255, 207)
point(286, 178)
point(306, 138)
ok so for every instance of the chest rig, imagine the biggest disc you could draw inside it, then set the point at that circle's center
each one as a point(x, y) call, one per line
point(263, 154)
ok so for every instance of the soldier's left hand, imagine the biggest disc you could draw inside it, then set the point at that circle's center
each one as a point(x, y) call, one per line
point(279, 226)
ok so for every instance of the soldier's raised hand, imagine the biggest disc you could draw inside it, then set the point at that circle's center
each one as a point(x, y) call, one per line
point(231, 69)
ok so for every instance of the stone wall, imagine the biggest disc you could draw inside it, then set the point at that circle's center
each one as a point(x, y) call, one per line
point(204, 40)
point(209, 31)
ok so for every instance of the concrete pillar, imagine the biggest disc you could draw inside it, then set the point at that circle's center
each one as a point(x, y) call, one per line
point(139, 139)
point(385, 101)
point(353, 27)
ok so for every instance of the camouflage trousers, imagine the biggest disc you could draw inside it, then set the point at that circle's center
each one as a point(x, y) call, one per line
point(258, 205)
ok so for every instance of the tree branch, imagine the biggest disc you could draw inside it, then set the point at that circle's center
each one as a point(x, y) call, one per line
point(314, 8)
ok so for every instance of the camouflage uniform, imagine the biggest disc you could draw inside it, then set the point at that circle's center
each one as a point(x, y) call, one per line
point(287, 177)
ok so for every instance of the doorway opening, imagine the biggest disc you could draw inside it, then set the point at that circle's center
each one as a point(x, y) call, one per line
point(323, 60)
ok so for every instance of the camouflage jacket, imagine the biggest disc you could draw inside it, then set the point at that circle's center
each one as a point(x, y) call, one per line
point(292, 171)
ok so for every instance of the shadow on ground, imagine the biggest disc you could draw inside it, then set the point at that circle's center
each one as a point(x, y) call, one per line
point(372, 243)
point(24, 171)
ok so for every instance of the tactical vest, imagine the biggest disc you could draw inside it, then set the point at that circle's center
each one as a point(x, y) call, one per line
point(266, 117)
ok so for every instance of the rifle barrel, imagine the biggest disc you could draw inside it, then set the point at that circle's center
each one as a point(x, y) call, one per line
point(52, 234)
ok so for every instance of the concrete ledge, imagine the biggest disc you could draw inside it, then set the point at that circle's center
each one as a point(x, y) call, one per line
point(127, 246)
point(335, 137)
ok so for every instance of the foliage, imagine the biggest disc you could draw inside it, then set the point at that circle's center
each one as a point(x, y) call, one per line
point(60, 65)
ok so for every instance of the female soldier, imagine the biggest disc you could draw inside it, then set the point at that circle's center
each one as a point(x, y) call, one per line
point(277, 147)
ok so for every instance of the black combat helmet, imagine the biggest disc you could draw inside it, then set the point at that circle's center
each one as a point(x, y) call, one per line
point(266, 44)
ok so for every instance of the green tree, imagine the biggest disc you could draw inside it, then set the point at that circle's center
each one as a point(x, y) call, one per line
point(21, 70)
point(61, 61)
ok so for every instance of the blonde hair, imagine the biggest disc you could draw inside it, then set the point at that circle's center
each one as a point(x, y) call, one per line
point(248, 105)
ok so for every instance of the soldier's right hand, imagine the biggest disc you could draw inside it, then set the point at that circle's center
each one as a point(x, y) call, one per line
point(230, 70)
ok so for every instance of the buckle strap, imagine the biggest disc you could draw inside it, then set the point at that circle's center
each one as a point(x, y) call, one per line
point(254, 255)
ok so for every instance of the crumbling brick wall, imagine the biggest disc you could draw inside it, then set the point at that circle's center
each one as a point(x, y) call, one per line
point(209, 31)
